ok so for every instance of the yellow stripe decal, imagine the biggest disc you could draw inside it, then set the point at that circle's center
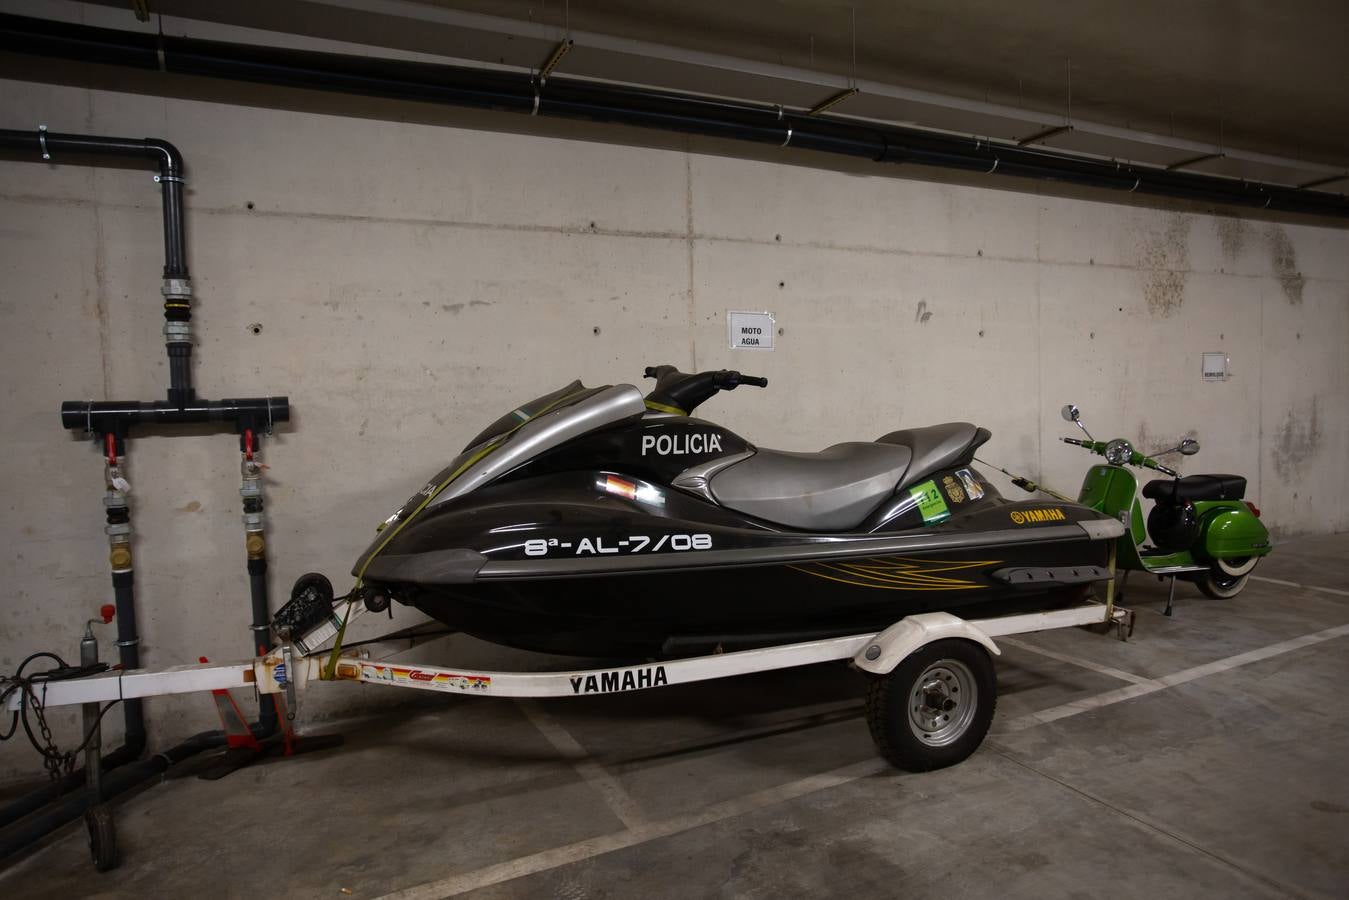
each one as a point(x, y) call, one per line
point(898, 573)
point(665, 408)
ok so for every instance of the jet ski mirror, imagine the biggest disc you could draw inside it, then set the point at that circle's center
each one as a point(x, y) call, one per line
point(1071, 413)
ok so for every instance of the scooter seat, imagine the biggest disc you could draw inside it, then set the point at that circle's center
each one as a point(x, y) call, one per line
point(937, 447)
point(833, 490)
point(1196, 487)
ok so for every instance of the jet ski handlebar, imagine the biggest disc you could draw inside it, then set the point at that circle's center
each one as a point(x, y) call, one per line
point(683, 392)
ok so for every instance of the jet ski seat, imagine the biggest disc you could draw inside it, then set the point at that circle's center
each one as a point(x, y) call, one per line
point(1196, 487)
point(833, 490)
point(937, 447)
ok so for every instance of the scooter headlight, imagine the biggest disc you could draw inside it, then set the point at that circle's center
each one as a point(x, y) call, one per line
point(1118, 452)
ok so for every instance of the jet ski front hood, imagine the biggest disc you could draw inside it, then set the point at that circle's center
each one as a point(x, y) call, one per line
point(511, 442)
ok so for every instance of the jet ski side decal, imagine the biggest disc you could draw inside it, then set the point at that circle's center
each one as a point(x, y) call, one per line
point(900, 574)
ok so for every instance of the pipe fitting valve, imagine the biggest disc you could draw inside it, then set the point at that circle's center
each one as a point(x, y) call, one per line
point(176, 332)
point(177, 288)
point(120, 557)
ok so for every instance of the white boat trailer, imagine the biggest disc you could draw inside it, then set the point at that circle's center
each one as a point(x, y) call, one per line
point(288, 670)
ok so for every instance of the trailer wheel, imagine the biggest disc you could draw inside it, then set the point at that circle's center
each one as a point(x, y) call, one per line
point(102, 837)
point(935, 708)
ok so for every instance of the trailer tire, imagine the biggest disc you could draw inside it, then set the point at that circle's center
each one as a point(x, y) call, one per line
point(934, 709)
point(99, 823)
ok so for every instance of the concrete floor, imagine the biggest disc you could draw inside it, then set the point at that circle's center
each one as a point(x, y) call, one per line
point(1203, 758)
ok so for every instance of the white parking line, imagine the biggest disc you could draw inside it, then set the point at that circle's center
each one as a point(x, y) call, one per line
point(1087, 704)
point(1078, 661)
point(650, 831)
point(1275, 581)
point(1306, 587)
point(620, 802)
point(607, 843)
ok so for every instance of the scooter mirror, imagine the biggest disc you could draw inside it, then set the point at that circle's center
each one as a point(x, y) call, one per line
point(1071, 413)
point(1189, 446)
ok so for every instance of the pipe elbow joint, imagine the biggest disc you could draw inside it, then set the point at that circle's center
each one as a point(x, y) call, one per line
point(170, 157)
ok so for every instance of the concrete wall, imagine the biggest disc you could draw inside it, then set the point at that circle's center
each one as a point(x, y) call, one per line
point(413, 281)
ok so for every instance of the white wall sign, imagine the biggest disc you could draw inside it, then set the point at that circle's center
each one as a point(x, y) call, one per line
point(1215, 366)
point(751, 330)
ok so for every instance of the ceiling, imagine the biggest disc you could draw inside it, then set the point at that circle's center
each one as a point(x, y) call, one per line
point(1271, 76)
point(1247, 88)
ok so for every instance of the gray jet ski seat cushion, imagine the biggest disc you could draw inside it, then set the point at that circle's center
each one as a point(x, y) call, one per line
point(832, 490)
point(937, 447)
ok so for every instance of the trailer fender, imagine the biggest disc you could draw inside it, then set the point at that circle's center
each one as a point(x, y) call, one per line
point(887, 649)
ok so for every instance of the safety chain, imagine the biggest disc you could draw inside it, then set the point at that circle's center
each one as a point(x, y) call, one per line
point(52, 758)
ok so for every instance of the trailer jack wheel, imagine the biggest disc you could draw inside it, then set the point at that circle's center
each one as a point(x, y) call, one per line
point(102, 837)
point(934, 709)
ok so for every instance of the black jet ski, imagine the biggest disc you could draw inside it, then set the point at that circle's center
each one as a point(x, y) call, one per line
point(598, 522)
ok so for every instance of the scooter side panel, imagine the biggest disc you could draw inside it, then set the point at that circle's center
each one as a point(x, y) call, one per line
point(1230, 529)
point(1112, 490)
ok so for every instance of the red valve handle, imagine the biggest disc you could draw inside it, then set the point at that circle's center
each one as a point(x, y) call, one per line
point(110, 440)
point(106, 612)
point(248, 443)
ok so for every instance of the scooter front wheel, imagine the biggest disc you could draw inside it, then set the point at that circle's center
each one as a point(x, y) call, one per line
point(1220, 584)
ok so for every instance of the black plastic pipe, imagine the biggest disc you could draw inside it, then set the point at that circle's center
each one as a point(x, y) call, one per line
point(262, 621)
point(129, 655)
point(102, 416)
point(35, 827)
point(45, 144)
point(40, 796)
point(574, 99)
point(64, 148)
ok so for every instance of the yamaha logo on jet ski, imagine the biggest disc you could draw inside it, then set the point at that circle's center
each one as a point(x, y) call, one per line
point(619, 680)
point(1035, 516)
point(681, 444)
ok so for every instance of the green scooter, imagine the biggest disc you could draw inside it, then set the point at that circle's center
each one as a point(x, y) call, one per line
point(1201, 528)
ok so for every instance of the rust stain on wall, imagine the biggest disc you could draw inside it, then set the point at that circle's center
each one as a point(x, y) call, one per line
point(1164, 261)
point(1232, 237)
point(1296, 440)
point(1283, 257)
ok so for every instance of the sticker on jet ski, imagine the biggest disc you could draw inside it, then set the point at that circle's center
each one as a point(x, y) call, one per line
point(619, 680)
point(953, 490)
point(973, 488)
point(634, 543)
point(930, 502)
point(687, 444)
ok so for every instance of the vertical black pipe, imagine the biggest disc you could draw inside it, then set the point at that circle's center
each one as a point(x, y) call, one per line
point(262, 617)
point(129, 654)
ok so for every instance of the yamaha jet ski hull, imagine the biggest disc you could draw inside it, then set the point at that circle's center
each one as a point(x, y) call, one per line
point(589, 523)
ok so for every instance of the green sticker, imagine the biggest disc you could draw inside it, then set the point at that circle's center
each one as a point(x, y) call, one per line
point(930, 502)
